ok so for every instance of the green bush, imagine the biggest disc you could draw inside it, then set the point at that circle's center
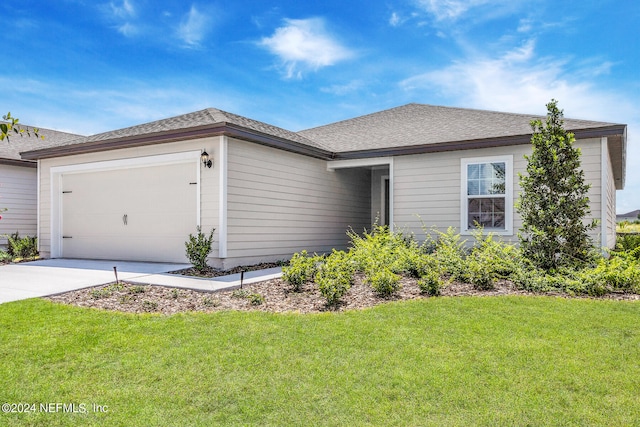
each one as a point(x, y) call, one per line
point(450, 254)
point(430, 283)
point(335, 276)
point(136, 289)
point(384, 281)
point(198, 248)
point(490, 260)
point(301, 269)
point(627, 242)
point(149, 306)
point(255, 299)
point(618, 273)
point(480, 276)
point(5, 256)
point(22, 247)
point(384, 248)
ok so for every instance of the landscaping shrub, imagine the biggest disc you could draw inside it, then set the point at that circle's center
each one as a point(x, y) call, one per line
point(619, 273)
point(301, 269)
point(627, 242)
point(431, 283)
point(450, 254)
point(198, 248)
point(395, 250)
point(255, 299)
point(22, 247)
point(554, 202)
point(4, 256)
point(384, 281)
point(335, 275)
point(490, 260)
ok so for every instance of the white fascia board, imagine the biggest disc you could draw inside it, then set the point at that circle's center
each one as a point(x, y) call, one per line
point(358, 163)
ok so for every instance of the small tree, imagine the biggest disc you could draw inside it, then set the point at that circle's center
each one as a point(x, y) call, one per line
point(198, 248)
point(554, 203)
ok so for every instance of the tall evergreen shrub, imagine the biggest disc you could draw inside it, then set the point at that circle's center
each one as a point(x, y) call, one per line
point(554, 203)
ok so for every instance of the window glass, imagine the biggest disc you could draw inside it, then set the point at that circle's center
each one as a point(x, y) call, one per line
point(486, 187)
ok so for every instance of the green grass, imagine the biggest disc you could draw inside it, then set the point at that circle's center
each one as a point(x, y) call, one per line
point(442, 361)
point(628, 228)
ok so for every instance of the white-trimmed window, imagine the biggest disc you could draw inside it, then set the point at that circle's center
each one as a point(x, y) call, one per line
point(487, 194)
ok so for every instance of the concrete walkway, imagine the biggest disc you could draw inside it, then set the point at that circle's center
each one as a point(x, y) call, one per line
point(53, 276)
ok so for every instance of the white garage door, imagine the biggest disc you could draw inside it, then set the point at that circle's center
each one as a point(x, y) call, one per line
point(139, 214)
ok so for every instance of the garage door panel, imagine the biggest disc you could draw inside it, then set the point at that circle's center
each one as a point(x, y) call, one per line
point(160, 204)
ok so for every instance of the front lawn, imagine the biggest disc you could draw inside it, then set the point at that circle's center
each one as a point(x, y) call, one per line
point(438, 361)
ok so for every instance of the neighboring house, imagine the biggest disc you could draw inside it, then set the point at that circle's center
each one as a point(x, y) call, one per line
point(136, 193)
point(629, 216)
point(19, 182)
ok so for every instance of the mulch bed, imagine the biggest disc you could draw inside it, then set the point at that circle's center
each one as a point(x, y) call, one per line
point(211, 272)
point(278, 297)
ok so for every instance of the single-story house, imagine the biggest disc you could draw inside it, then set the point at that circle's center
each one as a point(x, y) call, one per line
point(19, 181)
point(136, 193)
point(629, 216)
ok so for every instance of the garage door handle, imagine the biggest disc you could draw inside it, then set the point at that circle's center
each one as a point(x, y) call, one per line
point(124, 219)
point(66, 237)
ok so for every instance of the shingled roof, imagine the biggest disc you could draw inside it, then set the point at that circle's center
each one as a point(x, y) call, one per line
point(207, 122)
point(409, 129)
point(414, 125)
point(11, 148)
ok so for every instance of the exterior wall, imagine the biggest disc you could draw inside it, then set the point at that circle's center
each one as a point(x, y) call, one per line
point(610, 220)
point(279, 203)
point(376, 194)
point(266, 204)
point(427, 186)
point(209, 181)
point(18, 188)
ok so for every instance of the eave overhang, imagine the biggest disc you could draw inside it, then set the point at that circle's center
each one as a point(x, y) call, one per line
point(218, 129)
point(18, 162)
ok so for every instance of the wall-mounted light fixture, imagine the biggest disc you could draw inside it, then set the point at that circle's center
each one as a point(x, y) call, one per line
point(204, 157)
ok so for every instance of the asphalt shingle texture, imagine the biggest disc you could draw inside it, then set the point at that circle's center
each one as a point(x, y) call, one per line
point(420, 124)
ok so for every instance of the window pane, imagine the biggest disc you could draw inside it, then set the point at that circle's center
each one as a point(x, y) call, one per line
point(486, 212)
point(473, 187)
point(486, 179)
point(485, 187)
point(474, 205)
point(472, 171)
point(497, 187)
point(498, 170)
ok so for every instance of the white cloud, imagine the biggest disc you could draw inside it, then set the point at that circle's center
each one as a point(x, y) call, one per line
point(344, 89)
point(519, 81)
point(128, 29)
point(304, 44)
point(525, 25)
point(193, 27)
point(450, 9)
point(123, 10)
point(394, 20)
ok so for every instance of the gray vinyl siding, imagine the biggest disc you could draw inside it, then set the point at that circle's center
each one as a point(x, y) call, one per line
point(427, 186)
point(279, 203)
point(18, 188)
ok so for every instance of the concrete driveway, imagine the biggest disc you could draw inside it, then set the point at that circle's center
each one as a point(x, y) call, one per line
point(52, 276)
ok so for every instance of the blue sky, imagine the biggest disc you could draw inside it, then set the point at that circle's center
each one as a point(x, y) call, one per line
point(88, 66)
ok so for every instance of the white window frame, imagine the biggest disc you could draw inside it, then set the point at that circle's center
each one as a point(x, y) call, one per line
point(508, 196)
